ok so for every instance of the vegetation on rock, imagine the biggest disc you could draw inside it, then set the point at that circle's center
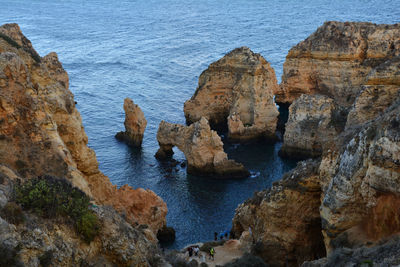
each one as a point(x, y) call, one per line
point(50, 197)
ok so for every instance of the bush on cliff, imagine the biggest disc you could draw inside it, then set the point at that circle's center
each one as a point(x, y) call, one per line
point(50, 197)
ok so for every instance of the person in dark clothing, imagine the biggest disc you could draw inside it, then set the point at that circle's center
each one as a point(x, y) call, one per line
point(190, 250)
point(231, 235)
point(215, 236)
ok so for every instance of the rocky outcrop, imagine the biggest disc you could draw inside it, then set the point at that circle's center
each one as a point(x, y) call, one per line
point(237, 91)
point(135, 124)
point(284, 220)
point(41, 131)
point(386, 254)
point(202, 147)
point(37, 240)
point(351, 197)
point(380, 91)
point(343, 84)
point(336, 59)
point(360, 183)
point(314, 121)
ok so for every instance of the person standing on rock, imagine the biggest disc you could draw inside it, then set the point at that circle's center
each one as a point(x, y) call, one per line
point(190, 249)
point(212, 252)
point(196, 251)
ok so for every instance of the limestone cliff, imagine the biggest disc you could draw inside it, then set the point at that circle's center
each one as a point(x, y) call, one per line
point(352, 65)
point(284, 220)
point(135, 124)
point(41, 131)
point(360, 180)
point(343, 84)
point(312, 125)
point(336, 59)
point(380, 91)
point(237, 91)
point(202, 147)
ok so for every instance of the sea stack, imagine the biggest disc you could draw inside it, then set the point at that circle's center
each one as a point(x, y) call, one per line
point(202, 147)
point(237, 92)
point(135, 124)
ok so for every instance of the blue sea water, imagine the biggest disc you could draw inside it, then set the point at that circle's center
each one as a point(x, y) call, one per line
point(153, 52)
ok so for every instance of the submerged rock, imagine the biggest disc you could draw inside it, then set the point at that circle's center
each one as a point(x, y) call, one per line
point(202, 147)
point(237, 91)
point(135, 124)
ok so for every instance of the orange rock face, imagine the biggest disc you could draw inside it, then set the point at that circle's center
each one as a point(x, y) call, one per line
point(203, 149)
point(41, 130)
point(237, 91)
point(135, 124)
point(284, 220)
point(336, 59)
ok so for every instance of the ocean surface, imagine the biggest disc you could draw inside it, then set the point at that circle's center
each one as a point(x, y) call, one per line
point(153, 52)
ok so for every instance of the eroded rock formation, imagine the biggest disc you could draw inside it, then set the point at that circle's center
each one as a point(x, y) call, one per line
point(237, 91)
point(360, 183)
point(202, 147)
point(41, 240)
point(336, 59)
point(41, 131)
point(380, 91)
point(352, 65)
point(313, 124)
point(135, 124)
point(284, 220)
point(344, 85)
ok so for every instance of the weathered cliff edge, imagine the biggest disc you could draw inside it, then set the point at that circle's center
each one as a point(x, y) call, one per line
point(135, 124)
point(351, 197)
point(41, 131)
point(350, 65)
point(202, 147)
point(284, 220)
point(237, 91)
point(351, 193)
point(312, 125)
point(336, 59)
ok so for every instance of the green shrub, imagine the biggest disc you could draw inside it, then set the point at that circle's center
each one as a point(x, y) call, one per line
point(88, 226)
point(13, 43)
point(10, 41)
point(50, 197)
point(13, 213)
